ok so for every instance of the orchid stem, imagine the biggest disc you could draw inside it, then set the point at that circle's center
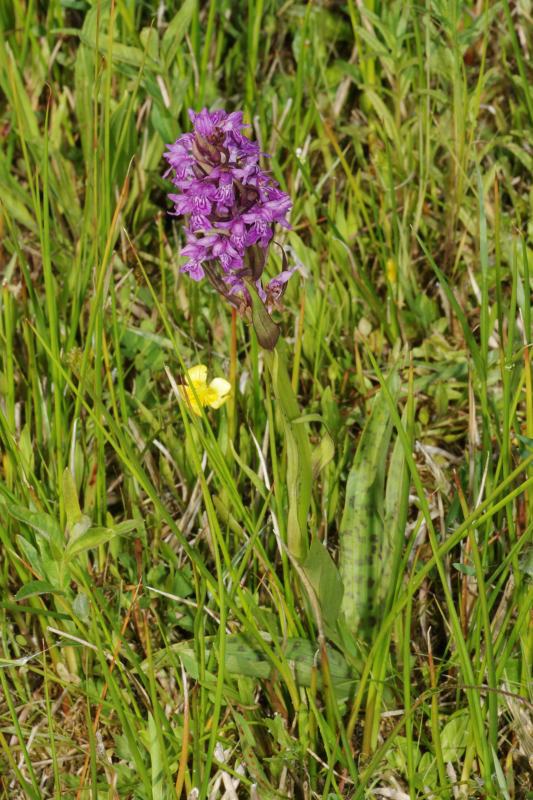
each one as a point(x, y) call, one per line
point(232, 406)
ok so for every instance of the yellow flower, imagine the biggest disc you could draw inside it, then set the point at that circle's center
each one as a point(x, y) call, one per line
point(215, 394)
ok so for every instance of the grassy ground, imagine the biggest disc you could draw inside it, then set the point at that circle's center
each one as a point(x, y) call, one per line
point(157, 638)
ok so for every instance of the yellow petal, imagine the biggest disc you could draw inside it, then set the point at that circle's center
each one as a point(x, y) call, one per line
point(197, 393)
point(187, 394)
point(197, 375)
point(219, 391)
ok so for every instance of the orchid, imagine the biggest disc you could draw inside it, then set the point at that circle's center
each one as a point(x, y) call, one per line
point(231, 207)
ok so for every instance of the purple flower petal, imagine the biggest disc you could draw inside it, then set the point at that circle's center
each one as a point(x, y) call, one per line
point(194, 269)
point(229, 202)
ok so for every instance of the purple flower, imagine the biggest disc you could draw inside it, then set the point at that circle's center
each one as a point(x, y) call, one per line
point(230, 204)
point(276, 287)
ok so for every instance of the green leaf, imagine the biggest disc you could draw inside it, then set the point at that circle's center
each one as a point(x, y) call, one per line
point(395, 517)
point(500, 776)
point(70, 499)
point(464, 568)
point(120, 53)
point(249, 472)
point(303, 418)
point(81, 607)
point(16, 208)
point(150, 42)
point(41, 523)
point(54, 572)
point(527, 445)
point(128, 526)
point(361, 530)
point(81, 526)
point(123, 135)
point(36, 587)
point(164, 123)
point(13, 88)
point(156, 759)
point(322, 455)
point(176, 30)
point(325, 579)
point(31, 554)
point(266, 330)
point(94, 537)
point(456, 735)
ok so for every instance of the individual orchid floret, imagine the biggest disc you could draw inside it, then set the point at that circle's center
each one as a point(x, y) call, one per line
point(231, 207)
point(197, 392)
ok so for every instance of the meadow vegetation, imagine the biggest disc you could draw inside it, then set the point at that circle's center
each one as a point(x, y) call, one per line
point(158, 637)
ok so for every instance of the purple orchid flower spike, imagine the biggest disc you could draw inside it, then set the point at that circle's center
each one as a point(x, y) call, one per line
point(231, 207)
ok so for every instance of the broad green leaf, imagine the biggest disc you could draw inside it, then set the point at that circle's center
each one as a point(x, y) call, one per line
point(81, 607)
point(248, 745)
point(427, 770)
point(30, 554)
point(94, 537)
point(266, 330)
point(36, 587)
point(41, 523)
point(395, 518)
point(325, 579)
point(80, 527)
point(125, 54)
point(456, 735)
point(123, 136)
point(25, 445)
point(54, 571)
point(128, 526)
point(361, 530)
